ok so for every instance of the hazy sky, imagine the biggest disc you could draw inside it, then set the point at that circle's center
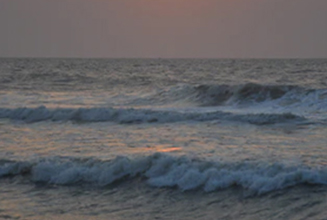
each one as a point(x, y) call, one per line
point(164, 28)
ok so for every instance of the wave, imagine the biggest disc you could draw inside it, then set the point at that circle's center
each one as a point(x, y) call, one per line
point(125, 116)
point(250, 93)
point(163, 170)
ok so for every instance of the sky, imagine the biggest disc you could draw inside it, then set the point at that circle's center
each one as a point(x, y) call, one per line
point(164, 28)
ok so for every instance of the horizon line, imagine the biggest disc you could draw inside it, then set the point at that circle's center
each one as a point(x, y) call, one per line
point(165, 58)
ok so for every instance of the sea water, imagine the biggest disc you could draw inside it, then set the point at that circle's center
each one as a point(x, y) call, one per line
point(163, 139)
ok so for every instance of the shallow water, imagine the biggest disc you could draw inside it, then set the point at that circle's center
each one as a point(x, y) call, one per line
point(134, 200)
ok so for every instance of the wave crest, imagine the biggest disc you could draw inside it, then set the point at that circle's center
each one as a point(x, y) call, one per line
point(162, 170)
point(217, 95)
point(125, 116)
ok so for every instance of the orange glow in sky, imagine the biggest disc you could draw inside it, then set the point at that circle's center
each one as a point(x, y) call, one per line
point(164, 28)
point(179, 8)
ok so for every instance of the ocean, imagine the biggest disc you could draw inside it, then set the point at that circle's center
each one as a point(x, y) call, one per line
point(163, 139)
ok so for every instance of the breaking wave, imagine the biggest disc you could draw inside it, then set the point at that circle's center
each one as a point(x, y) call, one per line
point(250, 93)
point(162, 170)
point(125, 116)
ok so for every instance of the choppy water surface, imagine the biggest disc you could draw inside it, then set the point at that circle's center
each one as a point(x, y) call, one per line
point(165, 139)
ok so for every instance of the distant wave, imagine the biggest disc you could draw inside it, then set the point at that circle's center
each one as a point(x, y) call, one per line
point(250, 92)
point(217, 95)
point(162, 170)
point(125, 116)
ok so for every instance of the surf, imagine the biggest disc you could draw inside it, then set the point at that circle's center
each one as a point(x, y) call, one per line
point(133, 115)
point(164, 170)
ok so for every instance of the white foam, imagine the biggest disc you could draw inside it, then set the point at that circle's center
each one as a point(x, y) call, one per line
point(192, 179)
point(161, 170)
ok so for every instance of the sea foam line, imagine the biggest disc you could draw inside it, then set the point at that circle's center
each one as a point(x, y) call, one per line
point(124, 116)
point(163, 170)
